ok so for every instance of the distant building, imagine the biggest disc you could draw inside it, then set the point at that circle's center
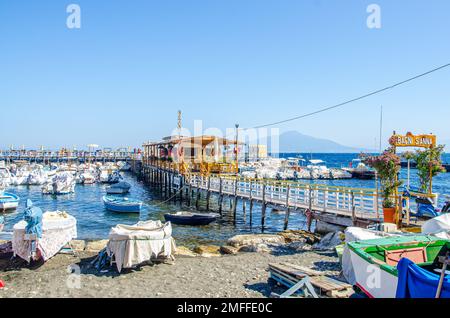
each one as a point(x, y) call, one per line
point(257, 152)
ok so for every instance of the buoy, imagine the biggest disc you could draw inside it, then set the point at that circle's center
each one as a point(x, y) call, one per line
point(2, 284)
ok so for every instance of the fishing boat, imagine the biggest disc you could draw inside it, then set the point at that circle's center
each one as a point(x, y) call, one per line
point(119, 188)
point(375, 261)
point(189, 218)
point(8, 201)
point(124, 205)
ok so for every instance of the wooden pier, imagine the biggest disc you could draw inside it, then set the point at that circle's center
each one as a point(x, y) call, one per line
point(46, 157)
point(341, 206)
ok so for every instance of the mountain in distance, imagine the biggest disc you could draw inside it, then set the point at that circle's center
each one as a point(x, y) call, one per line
point(294, 142)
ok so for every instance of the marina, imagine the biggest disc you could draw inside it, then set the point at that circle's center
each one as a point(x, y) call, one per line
point(285, 154)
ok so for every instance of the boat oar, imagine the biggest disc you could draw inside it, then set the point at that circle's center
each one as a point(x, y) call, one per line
point(441, 280)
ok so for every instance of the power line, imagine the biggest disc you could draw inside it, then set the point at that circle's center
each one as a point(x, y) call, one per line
point(352, 100)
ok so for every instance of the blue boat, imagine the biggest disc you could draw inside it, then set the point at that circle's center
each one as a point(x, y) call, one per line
point(8, 201)
point(189, 218)
point(124, 205)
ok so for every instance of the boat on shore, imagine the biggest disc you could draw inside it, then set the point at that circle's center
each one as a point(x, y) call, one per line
point(123, 205)
point(119, 188)
point(375, 261)
point(189, 218)
point(8, 201)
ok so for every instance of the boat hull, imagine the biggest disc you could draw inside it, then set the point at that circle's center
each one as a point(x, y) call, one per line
point(122, 207)
point(9, 202)
point(372, 279)
point(189, 220)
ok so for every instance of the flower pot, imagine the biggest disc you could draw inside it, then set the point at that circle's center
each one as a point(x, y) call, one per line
point(389, 215)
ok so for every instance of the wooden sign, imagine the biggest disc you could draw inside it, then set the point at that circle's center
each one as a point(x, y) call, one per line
point(410, 140)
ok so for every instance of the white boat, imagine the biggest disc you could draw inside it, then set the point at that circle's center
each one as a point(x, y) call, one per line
point(37, 177)
point(20, 177)
point(109, 176)
point(8, 201)
point(5, 177)
point(88, 178)
point(62, 183)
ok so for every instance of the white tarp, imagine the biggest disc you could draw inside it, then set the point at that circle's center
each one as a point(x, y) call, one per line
point(58, 229)
point(438, 226)
point(131, 245)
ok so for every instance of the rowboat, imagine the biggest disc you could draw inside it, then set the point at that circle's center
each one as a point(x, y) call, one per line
point(189, 218)
point(375, 261)
point(124, 205)
point(8, 201)
point(119, 188)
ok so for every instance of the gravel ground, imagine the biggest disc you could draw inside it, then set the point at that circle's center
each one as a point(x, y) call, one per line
point(244, 276)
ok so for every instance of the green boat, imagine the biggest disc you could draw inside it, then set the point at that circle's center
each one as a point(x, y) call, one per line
point(375, 261)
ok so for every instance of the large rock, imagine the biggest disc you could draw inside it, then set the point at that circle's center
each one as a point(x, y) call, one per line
point(95, 246)
point(299, 246)
point(300, 235)
point(227, 249)
point(330, 241)
point(184, 251)
point(78, 245)
point(207, 250)
point(255, 239)
point(255, 248)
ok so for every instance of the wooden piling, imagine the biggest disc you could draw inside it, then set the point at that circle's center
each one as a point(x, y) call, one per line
point(288, 209)
point(220, 196)
point(208, 193)
point(264, 206)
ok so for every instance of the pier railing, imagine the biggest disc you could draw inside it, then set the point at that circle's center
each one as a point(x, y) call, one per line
point(344, 201)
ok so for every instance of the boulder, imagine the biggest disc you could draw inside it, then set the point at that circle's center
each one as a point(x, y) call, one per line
point(255, 248)
point(207, 250)
point(299, 246)
point(227, 249)
point(255, 239)
point(300, 235)
point(78, 245)
point(95, 246)
point(184, 251)
point(330, 241)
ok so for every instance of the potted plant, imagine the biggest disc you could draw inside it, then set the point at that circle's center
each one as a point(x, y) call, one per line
point(387, 166)
point(429, 165)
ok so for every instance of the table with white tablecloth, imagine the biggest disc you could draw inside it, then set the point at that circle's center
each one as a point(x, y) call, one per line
point(58, 229)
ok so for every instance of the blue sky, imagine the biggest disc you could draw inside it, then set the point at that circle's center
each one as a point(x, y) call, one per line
point(120, 79)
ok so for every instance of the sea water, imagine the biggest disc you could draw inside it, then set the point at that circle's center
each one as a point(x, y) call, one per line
point(95, 222)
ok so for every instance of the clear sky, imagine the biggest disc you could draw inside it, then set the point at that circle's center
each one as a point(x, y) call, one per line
point(120, 79)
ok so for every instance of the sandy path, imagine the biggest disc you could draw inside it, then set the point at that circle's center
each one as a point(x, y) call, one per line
point(243, 275)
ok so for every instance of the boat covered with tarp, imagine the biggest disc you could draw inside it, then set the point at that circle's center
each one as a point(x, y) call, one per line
point(132, 245)
point(119, 188)
point(42, 235)
point(378, 269)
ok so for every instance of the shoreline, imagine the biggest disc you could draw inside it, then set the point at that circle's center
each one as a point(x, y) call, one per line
point(205, 272)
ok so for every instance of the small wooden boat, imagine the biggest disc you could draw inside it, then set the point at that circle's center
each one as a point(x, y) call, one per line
point(124, 205)
point(8, 201)
point(189, 218)
point(375, 261)
point(119, 188)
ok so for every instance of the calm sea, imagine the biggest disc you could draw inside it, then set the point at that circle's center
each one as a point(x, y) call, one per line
point(94, 222)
